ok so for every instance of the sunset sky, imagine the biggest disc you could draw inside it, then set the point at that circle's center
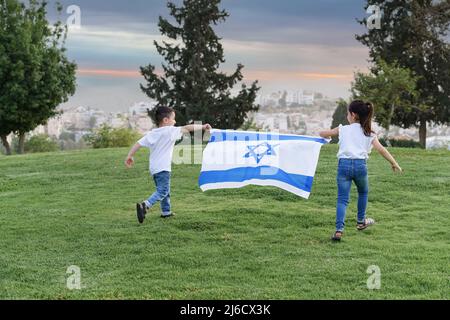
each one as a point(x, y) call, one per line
point(285, 44)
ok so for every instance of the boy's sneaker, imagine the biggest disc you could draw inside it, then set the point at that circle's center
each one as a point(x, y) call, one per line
point(141, 210)
point(144, 207)
point(165, 216)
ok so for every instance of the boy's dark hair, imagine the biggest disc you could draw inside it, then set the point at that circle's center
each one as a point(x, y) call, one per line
point(365, 111)
point(158, 114)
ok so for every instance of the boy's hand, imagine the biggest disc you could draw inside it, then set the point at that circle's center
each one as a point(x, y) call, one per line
point(129, 162)
point(207, 127)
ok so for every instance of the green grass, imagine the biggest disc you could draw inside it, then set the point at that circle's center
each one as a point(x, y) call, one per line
point(77, 208)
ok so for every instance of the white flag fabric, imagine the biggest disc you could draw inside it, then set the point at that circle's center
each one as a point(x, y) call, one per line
point(235, 159)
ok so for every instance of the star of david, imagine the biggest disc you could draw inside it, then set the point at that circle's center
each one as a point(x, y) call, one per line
point(268, 150)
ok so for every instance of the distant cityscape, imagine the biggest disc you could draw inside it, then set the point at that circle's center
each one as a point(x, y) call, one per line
point(299, 112)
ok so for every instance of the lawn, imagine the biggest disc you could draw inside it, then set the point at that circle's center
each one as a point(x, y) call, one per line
point(78, 208)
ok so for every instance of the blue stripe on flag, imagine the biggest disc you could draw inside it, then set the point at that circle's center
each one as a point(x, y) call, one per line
point(248, 173)
point(220, 136)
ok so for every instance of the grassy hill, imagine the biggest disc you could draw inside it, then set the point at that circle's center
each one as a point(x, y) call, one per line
point(77, 208)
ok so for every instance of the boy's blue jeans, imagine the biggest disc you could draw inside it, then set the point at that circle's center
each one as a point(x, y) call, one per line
point(351, 170)
point(162, 193)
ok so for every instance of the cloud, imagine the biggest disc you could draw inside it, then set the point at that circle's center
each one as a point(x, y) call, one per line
point(285, 44)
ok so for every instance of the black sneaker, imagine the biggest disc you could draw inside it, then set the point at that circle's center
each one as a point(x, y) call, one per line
point(140, 212)
point(144, 208)
point(337, 236)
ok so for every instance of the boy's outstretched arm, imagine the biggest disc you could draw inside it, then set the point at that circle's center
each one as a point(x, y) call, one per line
point(195, 127)
point(386, 154)
point(129, 161)
point(326, 134)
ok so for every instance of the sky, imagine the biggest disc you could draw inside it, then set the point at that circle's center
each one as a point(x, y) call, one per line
point(285, 45)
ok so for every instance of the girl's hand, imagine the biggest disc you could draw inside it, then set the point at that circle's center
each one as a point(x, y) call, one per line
point(396, 168)
point(129, 162)
point(207, 127)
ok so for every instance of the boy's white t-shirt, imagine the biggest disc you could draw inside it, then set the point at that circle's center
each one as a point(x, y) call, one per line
point(353, 143)
point(161, 142)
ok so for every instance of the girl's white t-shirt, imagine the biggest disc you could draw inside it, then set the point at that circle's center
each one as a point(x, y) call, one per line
point(353, 143)
point(161, 142)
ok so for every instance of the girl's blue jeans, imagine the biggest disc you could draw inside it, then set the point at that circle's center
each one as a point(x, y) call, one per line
point(162, 194)
point(351, 170)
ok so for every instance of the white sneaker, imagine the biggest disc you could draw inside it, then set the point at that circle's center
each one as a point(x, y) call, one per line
point(367, 223)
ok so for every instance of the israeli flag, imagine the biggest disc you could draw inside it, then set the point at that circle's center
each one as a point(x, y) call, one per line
point(235, 159)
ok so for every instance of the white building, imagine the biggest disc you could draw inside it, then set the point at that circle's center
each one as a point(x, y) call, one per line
point(307, 98)
point(442, 142)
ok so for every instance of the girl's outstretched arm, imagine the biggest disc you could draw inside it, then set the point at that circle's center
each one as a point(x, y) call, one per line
point(385, 153)
point(329, 133)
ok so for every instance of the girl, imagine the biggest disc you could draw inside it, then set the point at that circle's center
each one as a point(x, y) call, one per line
point(355, 144)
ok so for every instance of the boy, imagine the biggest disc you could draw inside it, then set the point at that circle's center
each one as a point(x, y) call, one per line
point(161, 142)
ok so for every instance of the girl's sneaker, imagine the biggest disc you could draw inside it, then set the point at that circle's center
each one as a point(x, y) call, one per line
point(367, 223)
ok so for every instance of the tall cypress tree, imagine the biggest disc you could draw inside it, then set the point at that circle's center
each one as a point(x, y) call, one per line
point(192, 83)
point(414, 35)
point(339, 117)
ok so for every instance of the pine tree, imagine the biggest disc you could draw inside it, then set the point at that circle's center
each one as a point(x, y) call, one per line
point(192, 83)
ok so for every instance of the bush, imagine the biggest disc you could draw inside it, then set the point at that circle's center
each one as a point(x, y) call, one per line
point(107, 137)
point(401, 143)
point(40, 143)
point(67, 136)
point(250, 125)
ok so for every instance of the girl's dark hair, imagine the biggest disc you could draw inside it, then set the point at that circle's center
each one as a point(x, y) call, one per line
point(158, 114)
point(365, 112)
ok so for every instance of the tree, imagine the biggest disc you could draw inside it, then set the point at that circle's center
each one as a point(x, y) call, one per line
point(339, 117)
point(35, 74)
point(192, 83)
point(390, 88)
point(413, 34)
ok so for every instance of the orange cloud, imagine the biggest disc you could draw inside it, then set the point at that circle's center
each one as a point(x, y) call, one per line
point(110, 73)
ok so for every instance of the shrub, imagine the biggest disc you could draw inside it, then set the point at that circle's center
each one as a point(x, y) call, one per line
point(40, 143)
point(107, 137)
point(401, 143)
point(67, 136)
point(66, 145)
